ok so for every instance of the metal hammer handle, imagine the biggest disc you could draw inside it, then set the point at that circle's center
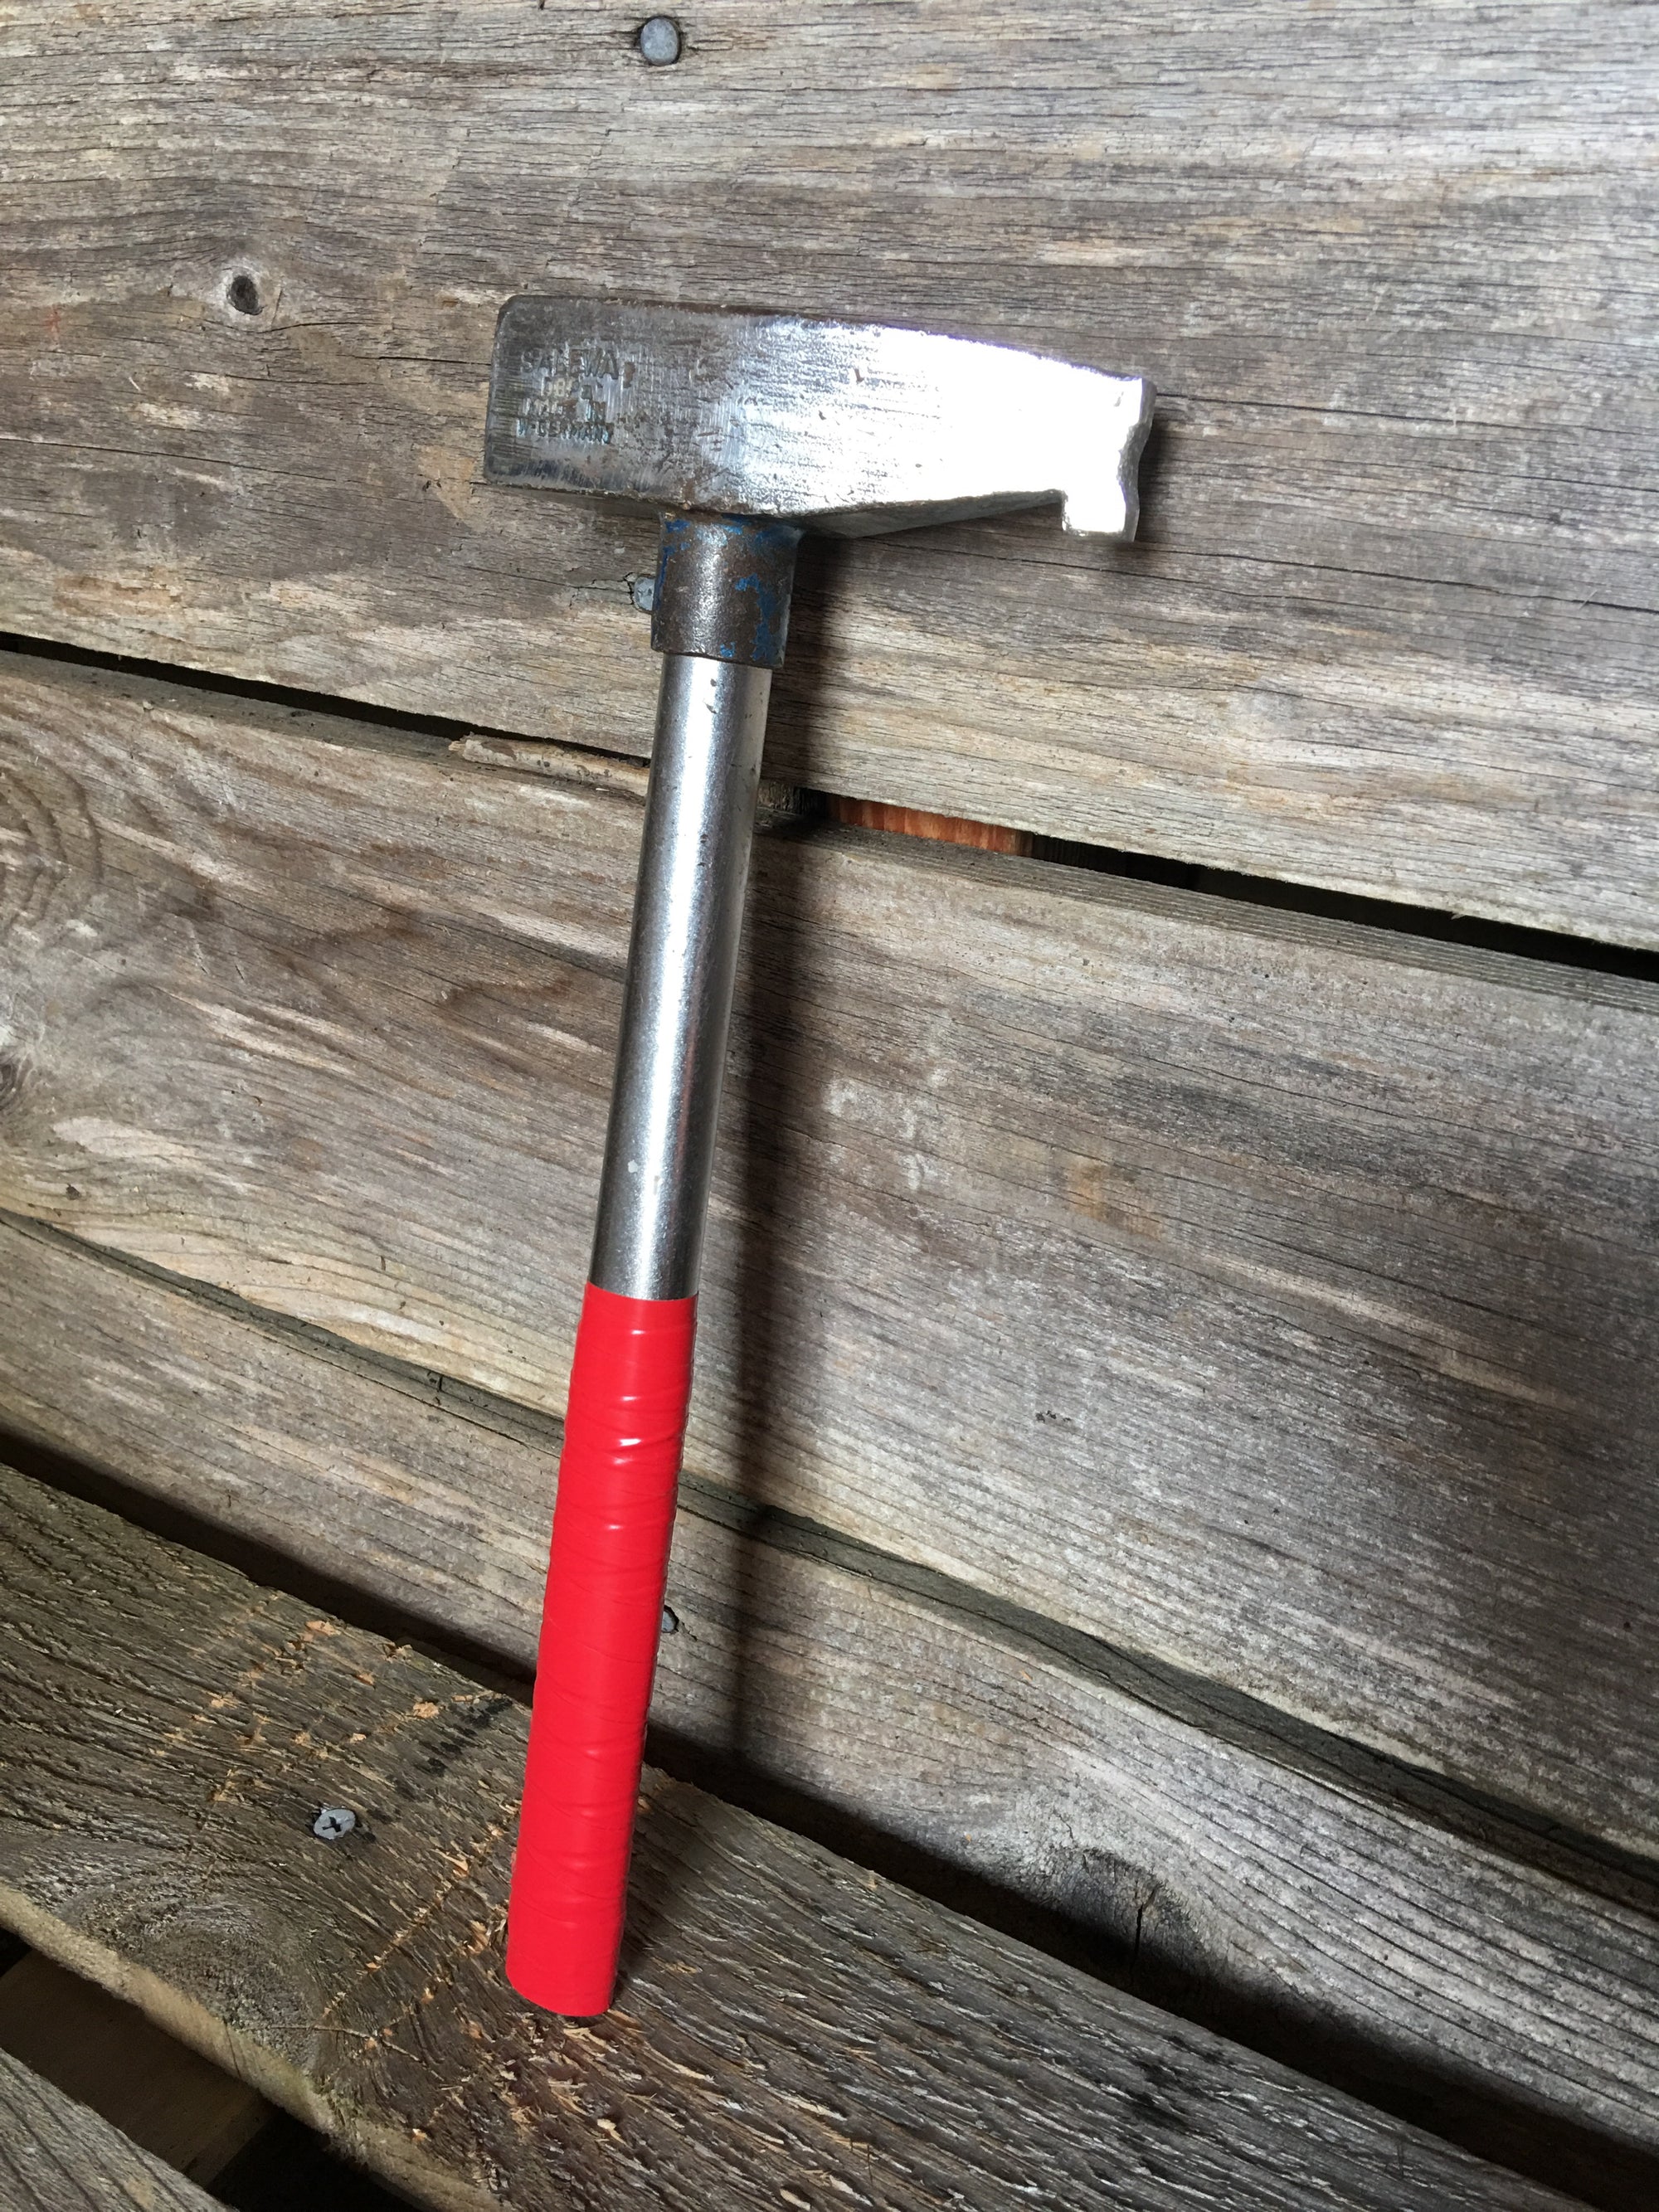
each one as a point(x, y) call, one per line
point(721, 585)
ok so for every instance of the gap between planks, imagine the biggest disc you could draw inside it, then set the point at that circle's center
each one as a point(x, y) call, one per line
point(58, 2155)
point(1072, 1142)
point(1388, 626)
point(1215, 1708)
point(1361, 1922)
point(785, 2019)
point(363, 722)
point(1160, 1145)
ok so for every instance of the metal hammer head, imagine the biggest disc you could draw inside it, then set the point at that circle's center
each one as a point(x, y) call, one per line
point(755, 428)
point(846, 427)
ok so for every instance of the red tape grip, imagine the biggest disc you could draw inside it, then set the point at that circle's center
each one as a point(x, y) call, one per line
point(624, 1427)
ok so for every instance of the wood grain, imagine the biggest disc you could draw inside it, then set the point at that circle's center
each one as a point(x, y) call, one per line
point(1391, 628)
point(1276, 1299)
point(59, 2156)
point(789, 2026)
point(1286, 1886)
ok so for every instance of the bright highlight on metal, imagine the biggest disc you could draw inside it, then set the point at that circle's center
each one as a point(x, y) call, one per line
point(844, 427)
point(682, 963)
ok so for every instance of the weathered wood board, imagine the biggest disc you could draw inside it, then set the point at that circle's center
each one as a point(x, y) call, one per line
point(57, 2156)
point(1288, 1885)
point(1391, 627)
point(1277, 1299)
point(789, 2028)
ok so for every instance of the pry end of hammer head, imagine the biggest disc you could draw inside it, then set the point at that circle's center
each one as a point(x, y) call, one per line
point(851, 427)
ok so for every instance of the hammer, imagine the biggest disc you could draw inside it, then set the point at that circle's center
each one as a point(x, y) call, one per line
point(742, 431)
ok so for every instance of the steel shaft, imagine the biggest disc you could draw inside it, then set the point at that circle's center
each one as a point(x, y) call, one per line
point(682, 965)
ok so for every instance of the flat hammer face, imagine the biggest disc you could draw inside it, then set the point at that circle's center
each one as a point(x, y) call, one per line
point(744, 431)
point(842, 427)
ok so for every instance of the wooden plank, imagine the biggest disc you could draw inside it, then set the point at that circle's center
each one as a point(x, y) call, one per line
point(59, 2156)
point(790, 2028)
point(1277, 1299)
point(1391, 628)
point(1285, 1887)
point(99, 2052)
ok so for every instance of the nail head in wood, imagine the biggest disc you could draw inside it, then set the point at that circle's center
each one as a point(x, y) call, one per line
point(659, 41)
